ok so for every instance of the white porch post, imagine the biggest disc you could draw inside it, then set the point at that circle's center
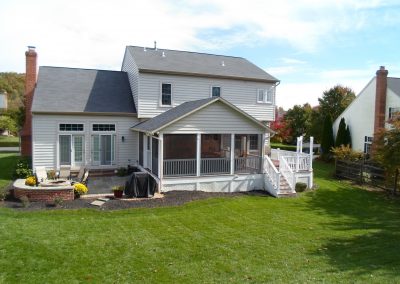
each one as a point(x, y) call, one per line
point(232, 153)
point(301, 144)
point(198, 154)
point(263, 138)
point(311, 152)
point(161, 156)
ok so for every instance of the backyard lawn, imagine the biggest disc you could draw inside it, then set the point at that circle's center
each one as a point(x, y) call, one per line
point(338, 233)
point(7, 164)
point(9, 141)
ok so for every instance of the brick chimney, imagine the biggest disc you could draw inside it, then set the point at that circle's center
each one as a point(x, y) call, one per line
point(380, 98)
point(30, 83)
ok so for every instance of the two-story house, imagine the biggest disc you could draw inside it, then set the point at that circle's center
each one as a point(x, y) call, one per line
point(195, 121)
point(378, 102)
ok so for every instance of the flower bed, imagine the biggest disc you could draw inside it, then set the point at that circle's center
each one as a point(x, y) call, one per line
point(38, 193)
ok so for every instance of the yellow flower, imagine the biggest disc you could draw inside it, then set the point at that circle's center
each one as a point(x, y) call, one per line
point(30, 181)
point(80, 188)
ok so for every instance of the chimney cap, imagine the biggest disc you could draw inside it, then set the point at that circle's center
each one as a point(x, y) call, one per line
point(31, 47)
point(382, 68)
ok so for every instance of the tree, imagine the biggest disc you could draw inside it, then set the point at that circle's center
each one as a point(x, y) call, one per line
point(298, 121)
point(335, 100)
point(7, 123)
point(327, 138)
point(341, 134)
point(348, 137)
point(386, 150)
point(317, 119)
point(14, 85)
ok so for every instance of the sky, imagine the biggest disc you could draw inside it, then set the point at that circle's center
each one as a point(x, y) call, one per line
point(309, 45)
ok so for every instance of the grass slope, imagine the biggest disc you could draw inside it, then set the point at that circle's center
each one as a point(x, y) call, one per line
point(7, 165)
point(337, 234)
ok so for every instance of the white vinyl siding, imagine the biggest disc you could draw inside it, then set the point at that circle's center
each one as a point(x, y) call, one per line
point(189, 88)
point(129, 66)
point(215, 118)
point(45, 138)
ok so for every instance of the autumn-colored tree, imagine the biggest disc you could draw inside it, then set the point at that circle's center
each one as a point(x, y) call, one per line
point(386, 150)
point(335, 100)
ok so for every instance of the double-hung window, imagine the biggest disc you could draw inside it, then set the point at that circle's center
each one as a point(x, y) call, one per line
point(367, 144)
point(166, 94)
point(394, 112)
point(265, 96)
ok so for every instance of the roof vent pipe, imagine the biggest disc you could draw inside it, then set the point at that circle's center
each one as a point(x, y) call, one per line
point(155, 45)
point(223, 63)
point(144, 49)
point(163, 54)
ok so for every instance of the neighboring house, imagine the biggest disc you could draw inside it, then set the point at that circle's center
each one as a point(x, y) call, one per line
point(370, 111)
point(195, 121)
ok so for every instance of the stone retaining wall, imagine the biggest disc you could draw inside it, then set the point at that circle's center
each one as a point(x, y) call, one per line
point(42, 194)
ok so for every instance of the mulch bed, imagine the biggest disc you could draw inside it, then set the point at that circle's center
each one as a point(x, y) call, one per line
point(172, 198)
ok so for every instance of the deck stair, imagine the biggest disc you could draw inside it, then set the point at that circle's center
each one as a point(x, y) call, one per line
point(284, 189)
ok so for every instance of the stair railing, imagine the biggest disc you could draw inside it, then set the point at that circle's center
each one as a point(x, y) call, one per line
point(287, 172)
point(272, 173)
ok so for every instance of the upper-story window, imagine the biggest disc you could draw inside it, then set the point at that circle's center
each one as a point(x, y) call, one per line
point(368, 144)
point(103, 127)
point(71, 127)
point(394, 112)
point(215, 91)
point(166, 94)
point(265, 95)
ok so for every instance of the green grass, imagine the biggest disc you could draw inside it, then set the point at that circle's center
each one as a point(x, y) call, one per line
point(7, 164)
point(338, 233)
point(9, 141)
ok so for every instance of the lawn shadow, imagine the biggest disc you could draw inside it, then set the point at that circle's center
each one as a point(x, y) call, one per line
point(369, 225)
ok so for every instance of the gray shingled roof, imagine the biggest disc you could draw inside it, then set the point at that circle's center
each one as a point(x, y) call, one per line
point(394, 84)
point(73, 90)
point(199, 64)
point(164, 119)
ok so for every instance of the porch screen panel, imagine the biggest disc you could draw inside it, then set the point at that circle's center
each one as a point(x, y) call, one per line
point(154, 158)
point(179, 146)
point(65, 149)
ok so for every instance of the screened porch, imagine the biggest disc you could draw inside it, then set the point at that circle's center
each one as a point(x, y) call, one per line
point(211, 154)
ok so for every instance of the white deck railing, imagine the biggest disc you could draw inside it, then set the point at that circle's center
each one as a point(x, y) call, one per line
point(211, 166)
point(296, 161)
point(215, 166)
point(180, 167)
point(287, 172)
point(273, 174)
point(248, 164)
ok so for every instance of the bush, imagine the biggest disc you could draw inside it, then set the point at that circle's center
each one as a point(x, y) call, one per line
point(347, 154)
point(31, 181)
point(25, 201)
point(3, 193)
point(300, 186)
point(118, 188)
point(122, 172)
point(51, 174)
point(80, 189)
point(23, 168)
point(58, 201)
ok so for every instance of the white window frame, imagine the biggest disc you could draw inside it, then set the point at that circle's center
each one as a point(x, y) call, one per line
point(72, 131)
point(172, 91)
point(211, 91)
point(267, 96)
point(367, 144)
point(73, 163)
point(392, 111)
point(114, 143)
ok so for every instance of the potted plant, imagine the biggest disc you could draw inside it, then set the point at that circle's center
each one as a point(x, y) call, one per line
point(80, 189)
point(118, 191)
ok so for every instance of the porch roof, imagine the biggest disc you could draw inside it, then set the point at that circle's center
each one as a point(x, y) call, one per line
point(173, 115)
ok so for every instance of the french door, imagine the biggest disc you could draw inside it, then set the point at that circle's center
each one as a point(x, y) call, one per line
point(71, 150)
point(103, 149)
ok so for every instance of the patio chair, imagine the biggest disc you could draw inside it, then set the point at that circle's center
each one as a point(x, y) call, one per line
point(41, 174)
point(65, 172)
point(82, 177)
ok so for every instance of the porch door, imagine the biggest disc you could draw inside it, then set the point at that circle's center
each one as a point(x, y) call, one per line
point(78, 149)
point(103, 149)
point(65, 149)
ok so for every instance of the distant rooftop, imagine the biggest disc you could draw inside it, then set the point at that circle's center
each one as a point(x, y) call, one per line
point(75, 90)
point(197, 64)
point(394, 84)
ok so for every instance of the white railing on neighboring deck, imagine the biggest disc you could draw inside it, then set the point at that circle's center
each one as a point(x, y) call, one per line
point(273, 174)
point(296, 161)
point(287, 172)
point(180, 167)
point(215, 166)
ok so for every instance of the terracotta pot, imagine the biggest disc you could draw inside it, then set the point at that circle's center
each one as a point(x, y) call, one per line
point(118, 193)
